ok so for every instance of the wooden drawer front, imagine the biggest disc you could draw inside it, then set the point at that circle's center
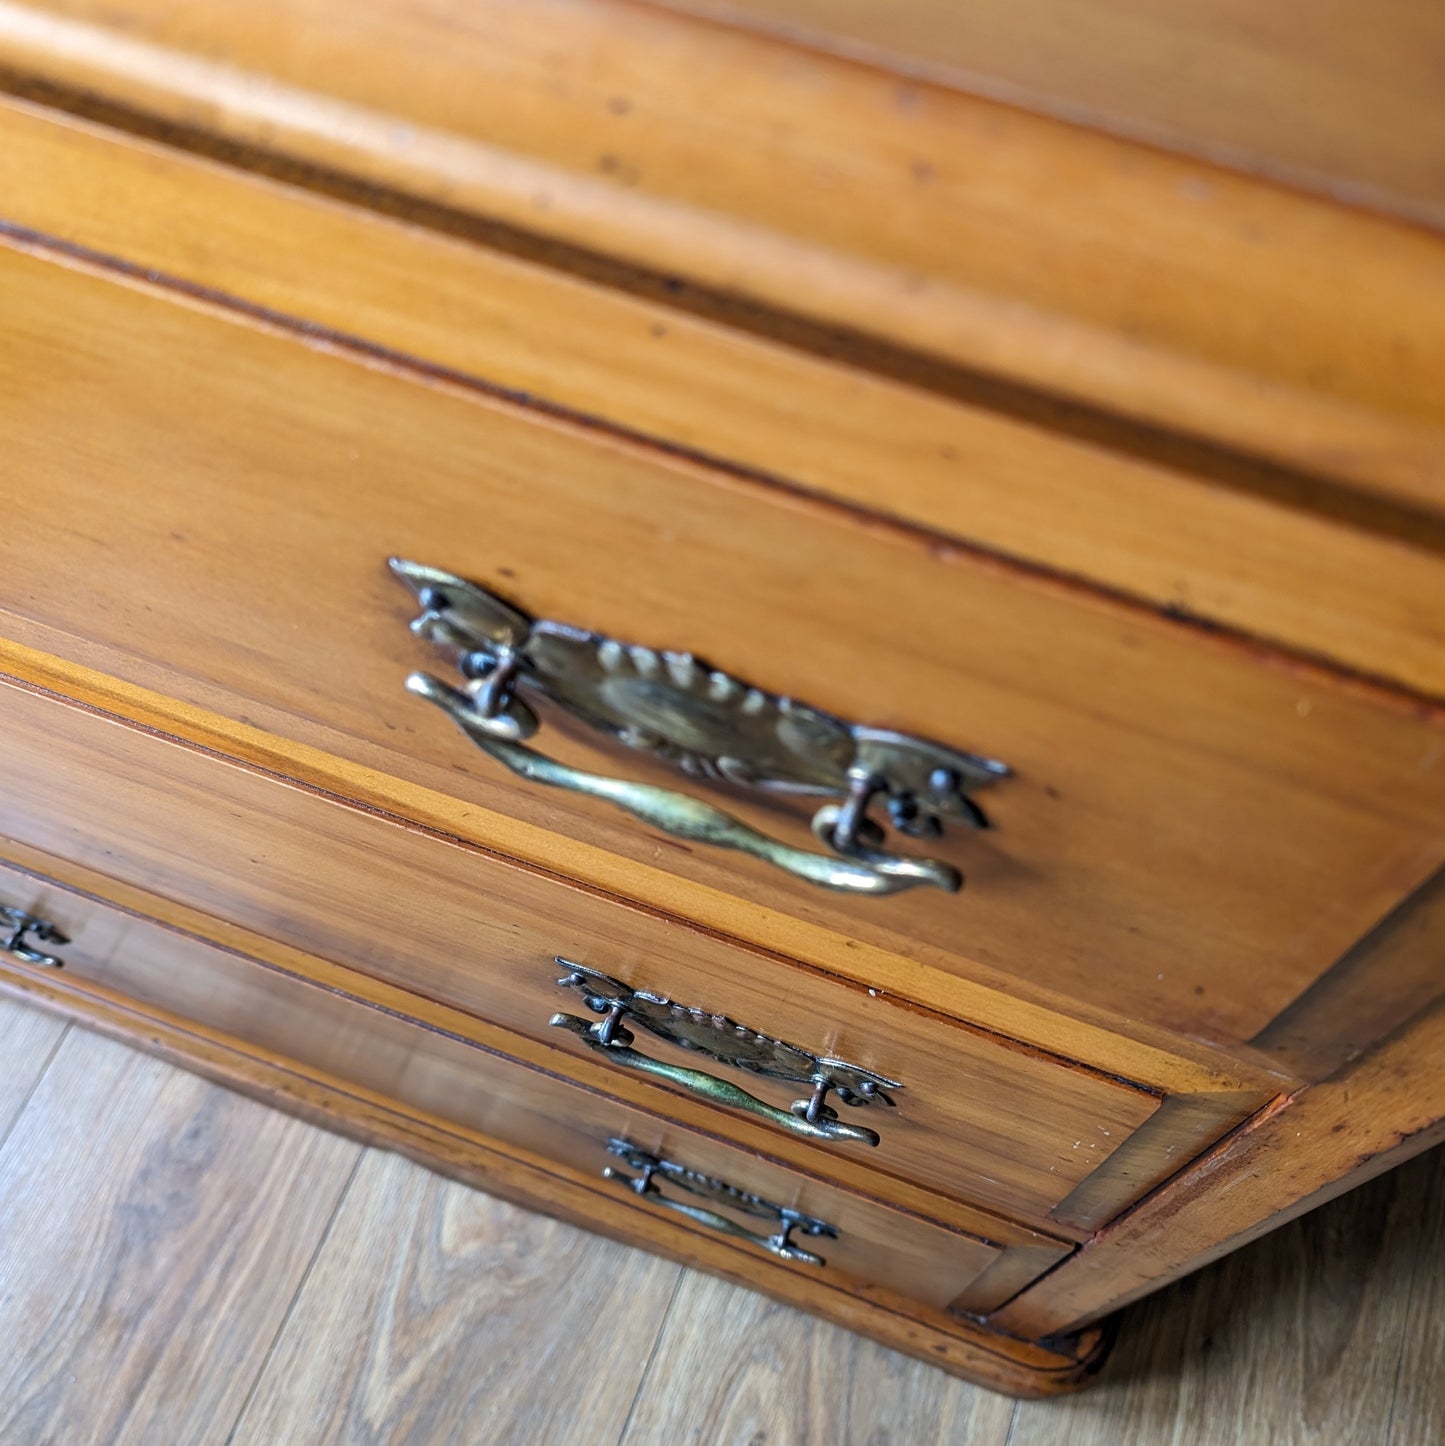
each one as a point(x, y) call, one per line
point(204, 507)
point(978, 1117)
point(1141, 528)
point(409, 1052)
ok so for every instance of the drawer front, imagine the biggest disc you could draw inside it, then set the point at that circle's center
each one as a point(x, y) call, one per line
point(1140, 528)
point(203, 507)
point(399, 1047)
point(980, 1118)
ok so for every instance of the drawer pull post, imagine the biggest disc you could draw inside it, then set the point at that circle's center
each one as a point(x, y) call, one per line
point(728, 1043)
point(786, 1220)
point(704, 722)
point(15, 924)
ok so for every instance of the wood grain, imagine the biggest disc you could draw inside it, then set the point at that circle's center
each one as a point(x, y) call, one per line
point(1418, 1410)
point(1310, 93)
point(149, 1287)
point(137, 941)
point(396, 1047)
point(979, 1117)
point(958, 1344)
point(760, 1372)
point(1295, 1340)
point(1138, 749)
point(1088, 1033)
point(1381, 1109)
point(433, 1313)
point(1001, 242)
point(28, 1041)
point(1390, 976)
point(1148, 529)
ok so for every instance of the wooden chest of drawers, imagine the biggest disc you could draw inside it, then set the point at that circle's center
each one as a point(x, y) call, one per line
point(1049, 512)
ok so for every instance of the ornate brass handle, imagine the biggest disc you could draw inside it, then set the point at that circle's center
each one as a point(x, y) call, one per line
point(730, 1043)
point(704, 722)
point(786, 1220)
point(16, 924)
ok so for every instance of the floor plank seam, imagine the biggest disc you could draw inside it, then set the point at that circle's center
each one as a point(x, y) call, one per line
point(296, 1295)
point(652, 1354)
point(1013, 1422)
point(36, 1083)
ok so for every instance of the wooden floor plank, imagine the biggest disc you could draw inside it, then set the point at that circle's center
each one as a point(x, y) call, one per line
point(734, 1367)
point(155, 1227)
point(169, 1246)
point(27, 1041)
point(1293, 1341)
point(1419, 1408)
point(436, 1314)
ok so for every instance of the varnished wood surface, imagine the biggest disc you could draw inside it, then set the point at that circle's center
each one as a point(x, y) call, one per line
point(1317, 94)
point(149, 946)
point(1191, 742)
point(352, 1037)
point(437, 1312)
point(1160, 776)
point(1088, 1032)
point(1379, 1109)
point(956, 1342)
point(978, 1117)
point(397, 1048)
point(1151, 529)
point(522, 1098)
point(1390, 976)
point(1000, 242)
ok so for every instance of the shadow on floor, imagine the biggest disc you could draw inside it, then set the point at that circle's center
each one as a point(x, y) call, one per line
point(1314, 1287)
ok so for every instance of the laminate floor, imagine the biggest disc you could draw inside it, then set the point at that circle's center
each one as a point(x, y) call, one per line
point(179, 1264)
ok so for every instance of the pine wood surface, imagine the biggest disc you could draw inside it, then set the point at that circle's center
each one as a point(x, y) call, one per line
point(1378, 1110)
point(1383, 1104)
point(327, 1300)
point(1089, 1032)
point(1137, 746)
point(217, 978)
point(992, 240)
point(1034, 276)
point(1310, 91)
point(532, 1099)
point(955, 1343)
point(978, 1116)
point(1151, 529)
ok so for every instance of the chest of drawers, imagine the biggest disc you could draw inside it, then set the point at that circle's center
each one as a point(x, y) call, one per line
point(935, 798)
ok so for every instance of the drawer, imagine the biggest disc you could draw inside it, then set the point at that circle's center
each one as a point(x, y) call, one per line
point(203, 506)
point(978, 1118)
point(435, 1063)
point(1138, 527)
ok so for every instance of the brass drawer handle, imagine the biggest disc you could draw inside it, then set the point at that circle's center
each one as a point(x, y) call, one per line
point(729, 1043)
point(704, 722)
point(786, 1221)
point(15, 924)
